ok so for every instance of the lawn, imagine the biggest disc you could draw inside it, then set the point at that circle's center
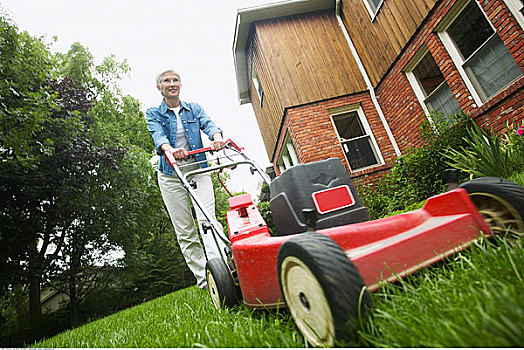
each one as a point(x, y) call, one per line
point(185, 318)
point(473, 299)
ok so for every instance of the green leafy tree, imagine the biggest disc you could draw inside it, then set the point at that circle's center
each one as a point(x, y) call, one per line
point(112, 182)
point(66, 194)
point(27, 102)
point(77, 63)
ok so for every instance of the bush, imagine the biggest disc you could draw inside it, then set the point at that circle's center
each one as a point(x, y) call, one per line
point(488, 154)
point(265, 210)
point(419, 173)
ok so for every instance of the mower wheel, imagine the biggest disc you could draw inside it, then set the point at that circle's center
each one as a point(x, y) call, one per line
point(500, 202)
point(223, 290)
point(322, 288)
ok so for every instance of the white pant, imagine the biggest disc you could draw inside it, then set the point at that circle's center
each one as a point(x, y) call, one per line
point(177, 201)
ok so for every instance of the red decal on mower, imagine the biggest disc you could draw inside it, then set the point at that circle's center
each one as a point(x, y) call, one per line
point(332, 199)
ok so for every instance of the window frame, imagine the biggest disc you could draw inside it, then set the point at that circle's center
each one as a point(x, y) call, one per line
point(284, 161)
point(415, 83)
point(257, 84)
point(369, 7)
point(367, 129)
point(454, 52)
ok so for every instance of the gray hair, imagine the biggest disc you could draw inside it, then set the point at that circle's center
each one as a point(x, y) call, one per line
point(167, 70)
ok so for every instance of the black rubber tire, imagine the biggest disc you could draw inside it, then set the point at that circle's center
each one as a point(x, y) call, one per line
point(501, 203)
point(222, 289)
point(322, 288)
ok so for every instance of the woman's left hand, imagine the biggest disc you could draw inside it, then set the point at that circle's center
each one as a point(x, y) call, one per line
point(217, 145)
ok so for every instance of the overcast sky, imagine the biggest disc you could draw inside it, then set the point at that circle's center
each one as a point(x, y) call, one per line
point(194, 37)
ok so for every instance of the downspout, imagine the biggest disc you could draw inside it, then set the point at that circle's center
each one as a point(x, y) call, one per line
point(369, 86)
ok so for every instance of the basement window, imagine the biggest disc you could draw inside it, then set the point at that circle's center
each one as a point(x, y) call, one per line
point(356, 138)
point(484, 62)
point(429, 85)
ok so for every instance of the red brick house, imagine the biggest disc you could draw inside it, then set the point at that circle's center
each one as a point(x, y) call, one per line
point(354, 79)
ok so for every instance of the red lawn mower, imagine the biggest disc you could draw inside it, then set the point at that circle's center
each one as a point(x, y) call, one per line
point(325, 256)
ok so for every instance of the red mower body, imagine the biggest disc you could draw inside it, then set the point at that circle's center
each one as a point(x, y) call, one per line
point(382, 250)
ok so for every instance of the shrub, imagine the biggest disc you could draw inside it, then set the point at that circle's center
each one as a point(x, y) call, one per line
point(265, 211)
point(488, 154)
point(419, 173)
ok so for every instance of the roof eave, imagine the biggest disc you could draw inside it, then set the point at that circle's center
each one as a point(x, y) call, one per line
point(246, 16)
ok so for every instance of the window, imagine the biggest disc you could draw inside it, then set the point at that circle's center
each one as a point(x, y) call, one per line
point(517, 9)
point(256, 83)
point(483, 60)
point(429, 85)
point(373, 6)
point(288, 155)
point(356, 139)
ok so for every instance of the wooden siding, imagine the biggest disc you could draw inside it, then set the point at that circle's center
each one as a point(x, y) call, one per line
point(269, 113)
point(379, 41)
point(299, 59)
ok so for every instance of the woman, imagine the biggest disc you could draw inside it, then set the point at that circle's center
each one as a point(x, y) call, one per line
point(176, 127)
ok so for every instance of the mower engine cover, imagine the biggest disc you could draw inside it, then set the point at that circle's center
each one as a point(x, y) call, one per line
point(324, 186)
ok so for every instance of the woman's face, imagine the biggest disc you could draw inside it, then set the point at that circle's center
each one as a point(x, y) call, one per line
point(170, 85)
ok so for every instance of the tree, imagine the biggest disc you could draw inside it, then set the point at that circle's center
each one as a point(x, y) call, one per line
point(78, 196)
point(61, 183)
point(107, 182)
point(26, 102)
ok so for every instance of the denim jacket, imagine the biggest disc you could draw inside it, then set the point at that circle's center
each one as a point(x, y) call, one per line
point(162, 123)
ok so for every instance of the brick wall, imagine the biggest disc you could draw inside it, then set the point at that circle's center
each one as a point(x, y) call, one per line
point(402, 109)
point(315, 138)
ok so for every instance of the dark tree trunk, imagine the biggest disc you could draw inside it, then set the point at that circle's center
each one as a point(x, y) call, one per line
point(73, 301)
point(19, 307)
point(35, 308)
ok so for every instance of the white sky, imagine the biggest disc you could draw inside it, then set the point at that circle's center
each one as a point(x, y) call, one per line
point(194, 37)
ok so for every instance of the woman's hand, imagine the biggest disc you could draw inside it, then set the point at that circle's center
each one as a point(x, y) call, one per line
point(218, 142)
point(178, 153)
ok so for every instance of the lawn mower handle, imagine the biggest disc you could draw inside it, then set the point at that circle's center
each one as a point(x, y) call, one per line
point(228, 142)
point(185, 176)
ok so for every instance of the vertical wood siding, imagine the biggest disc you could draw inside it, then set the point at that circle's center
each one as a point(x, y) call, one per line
point(299, 59)
point(269, 114)
point(379, 41)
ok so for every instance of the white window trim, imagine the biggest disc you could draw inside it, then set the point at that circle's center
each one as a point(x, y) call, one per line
point(515, 6)
point(415, 84)
point(352, 108)
point(285, 161)
point(257, 84)
point(292, 152)
point(453, 51)
point(413, 81)
point(370, 9)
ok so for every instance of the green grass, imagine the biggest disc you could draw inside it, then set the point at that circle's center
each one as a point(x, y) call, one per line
point(186, 318)
point(473, 299)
